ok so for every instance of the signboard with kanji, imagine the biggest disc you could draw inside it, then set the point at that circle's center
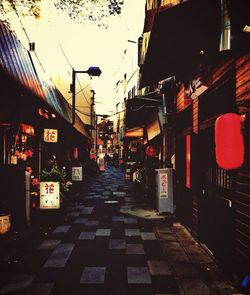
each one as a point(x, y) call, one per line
point(163, 185)
point(50, 135)
point(77, 174)
point(49, 195)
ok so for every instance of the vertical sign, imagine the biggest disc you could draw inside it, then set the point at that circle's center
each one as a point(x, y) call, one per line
point(188, 150)
point(50, 135)
point(163, 185)
point(77, 174)
point(101, 164)
point(49, 195)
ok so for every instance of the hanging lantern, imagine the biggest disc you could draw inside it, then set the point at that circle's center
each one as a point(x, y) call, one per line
point(75, 153)
point(151, 151)
point(229, 142)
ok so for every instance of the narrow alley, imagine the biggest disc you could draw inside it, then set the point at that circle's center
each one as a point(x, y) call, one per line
point(110, 242)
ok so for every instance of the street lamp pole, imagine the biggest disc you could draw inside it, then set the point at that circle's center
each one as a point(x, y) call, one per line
point(92, 71)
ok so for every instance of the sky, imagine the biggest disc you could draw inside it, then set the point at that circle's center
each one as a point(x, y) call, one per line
point(62, 43)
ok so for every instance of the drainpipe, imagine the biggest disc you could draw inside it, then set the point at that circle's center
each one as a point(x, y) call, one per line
point(167, 88)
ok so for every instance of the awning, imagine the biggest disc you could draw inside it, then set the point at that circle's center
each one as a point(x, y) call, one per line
point(178, 36)
point(135, 132)
point(139, 110)
point(16, 62)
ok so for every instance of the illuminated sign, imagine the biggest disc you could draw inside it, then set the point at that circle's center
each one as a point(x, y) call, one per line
point(77, 174)
point(49, 195)
point(163, 185)
point(50, 135)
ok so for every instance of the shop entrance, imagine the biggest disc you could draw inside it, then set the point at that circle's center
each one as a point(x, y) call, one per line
point(215, 202)
point(183, 194)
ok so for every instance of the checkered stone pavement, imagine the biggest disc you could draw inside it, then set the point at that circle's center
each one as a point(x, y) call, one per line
point(97, 250)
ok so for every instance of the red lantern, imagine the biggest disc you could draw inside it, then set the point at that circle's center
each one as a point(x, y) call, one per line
point(151, 151)
point(75, 153)
point(229, 142)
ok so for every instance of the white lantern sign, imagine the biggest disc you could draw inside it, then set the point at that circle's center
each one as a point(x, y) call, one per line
point(50, 135)
point(49, 195)
point(77, 174)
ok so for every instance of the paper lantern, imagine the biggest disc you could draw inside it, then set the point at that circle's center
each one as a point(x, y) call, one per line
point(151, 151)
point(229, 142)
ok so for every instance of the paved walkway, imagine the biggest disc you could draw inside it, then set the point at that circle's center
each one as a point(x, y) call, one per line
point(111, 243)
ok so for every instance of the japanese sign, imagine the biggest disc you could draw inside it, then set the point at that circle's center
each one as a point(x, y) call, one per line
point(49, 195)
point(163, 185)
point(77, 174)
point(50, 135)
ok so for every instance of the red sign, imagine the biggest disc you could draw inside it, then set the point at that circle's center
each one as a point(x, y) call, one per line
point(188, 151)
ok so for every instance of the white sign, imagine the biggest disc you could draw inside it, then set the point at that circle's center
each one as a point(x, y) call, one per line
point(163, 185)
point(77, 174)
point(50, 135)
point(49, 195)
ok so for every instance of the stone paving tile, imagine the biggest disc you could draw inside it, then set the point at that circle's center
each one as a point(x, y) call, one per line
point(106, 193)
point(93, 275)
point(79, 207)
point(73, 214)
point(92, 223)
point(39, 289)
point(158, 267)
point(132, 232)
point(148, 236)
point(118, 218)
point(62, 229)
point(59, 256)
point(17, 283)
point(119, 194)
point(117, 244)
point(129, 199)
point(49, 244)
point(86, 235)
point(138, 275)
point(87, 210)
point(81, 220)
point(135, 249)
point(103, 232)
point(129, 220)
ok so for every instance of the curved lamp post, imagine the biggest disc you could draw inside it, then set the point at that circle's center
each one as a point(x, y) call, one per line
point(92, 72)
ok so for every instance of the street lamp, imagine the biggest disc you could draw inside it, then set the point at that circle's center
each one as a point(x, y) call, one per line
point(92, 72)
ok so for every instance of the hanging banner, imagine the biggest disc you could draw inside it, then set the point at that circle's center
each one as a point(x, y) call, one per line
point(49, 195)
point(163, 185)
point(77, 174)
point(50, 135)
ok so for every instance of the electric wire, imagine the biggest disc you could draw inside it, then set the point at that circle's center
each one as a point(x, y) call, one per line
point(64, 54)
